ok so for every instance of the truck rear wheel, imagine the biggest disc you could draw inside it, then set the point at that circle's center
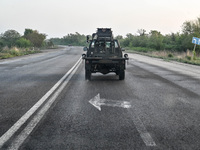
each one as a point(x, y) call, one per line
point(87, 75)
point(121, 75)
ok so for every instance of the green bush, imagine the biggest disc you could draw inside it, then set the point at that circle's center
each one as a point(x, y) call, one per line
point(170, 55)
point(23, 43)
point(188, 57)
point(15, 52)
point(194, 55)
point(142, 49)
point(5, 55)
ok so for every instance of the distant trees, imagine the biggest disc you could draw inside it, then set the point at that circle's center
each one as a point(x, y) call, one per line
point(9, 38)
point(155, 40)
point(23, 43)
point(34, 37)
point(190, 29)
point(31, 38)
point(70, 39)
point(1, 43)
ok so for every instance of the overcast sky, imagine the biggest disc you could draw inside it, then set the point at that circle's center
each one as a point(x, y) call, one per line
point(57, 18)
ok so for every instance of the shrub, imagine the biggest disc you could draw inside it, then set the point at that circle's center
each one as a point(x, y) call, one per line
point(194, 55)
point(188, 57)
point(23, 43)
point(170, 55)
point(14, 52)
point(5, 55)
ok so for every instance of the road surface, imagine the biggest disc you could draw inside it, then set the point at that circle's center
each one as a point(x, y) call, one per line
point(157, 106)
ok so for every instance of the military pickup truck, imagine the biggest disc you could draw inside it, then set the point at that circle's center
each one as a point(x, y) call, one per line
point(104, 55)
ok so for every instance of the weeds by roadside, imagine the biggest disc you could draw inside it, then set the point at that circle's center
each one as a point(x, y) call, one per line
point(184, 57)
point(13, 52)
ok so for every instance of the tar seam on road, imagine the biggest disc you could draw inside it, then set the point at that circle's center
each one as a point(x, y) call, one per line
point(31, 125)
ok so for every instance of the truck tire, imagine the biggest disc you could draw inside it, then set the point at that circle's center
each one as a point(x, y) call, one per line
point(87, 75)
point(121, 75)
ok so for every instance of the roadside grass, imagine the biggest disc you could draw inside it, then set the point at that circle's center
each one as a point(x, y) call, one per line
point(139, 49)
point(13, 52)
point(184, 57)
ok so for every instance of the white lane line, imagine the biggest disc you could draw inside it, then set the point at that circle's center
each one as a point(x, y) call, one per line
point(6, 136)
point(17, 142)
point(144, 134)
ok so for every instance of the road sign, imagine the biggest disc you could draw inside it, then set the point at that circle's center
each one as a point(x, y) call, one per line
point(196, 40)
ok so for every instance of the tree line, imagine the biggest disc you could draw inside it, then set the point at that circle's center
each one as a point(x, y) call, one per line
point(154, 40)
point(143, 41)
point(71, 39)
point(31, 38)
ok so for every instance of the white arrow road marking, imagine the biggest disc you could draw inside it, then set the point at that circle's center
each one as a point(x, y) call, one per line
point(146, 137)
point(98, 102)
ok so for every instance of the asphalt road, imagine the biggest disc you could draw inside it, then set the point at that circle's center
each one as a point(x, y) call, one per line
point(163, 104)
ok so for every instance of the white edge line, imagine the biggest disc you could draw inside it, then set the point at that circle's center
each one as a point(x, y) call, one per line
point(7, 135)
point(18, 141)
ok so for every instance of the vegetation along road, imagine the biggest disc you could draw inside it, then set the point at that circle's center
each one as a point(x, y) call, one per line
point(46, 103)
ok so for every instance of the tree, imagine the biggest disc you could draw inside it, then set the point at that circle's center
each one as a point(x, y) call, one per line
point(155, 40)
point(1, 44)
point(187, 27)
point(56, 41)
point(35, 37)
point(128, 40)
point(142, 32)
point(71, 39)
point(27, 32)
point(49, 43)
point(23, 43)
point(119, 37)
point(190, 29)
point(10, 37)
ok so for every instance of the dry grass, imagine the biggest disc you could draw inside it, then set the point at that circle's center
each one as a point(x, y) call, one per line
point(185, 57)
point(13, 52)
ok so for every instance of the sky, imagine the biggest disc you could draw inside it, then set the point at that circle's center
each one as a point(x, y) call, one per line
point(57, 18)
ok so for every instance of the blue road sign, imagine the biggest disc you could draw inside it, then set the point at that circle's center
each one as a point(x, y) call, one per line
point(196, 40)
